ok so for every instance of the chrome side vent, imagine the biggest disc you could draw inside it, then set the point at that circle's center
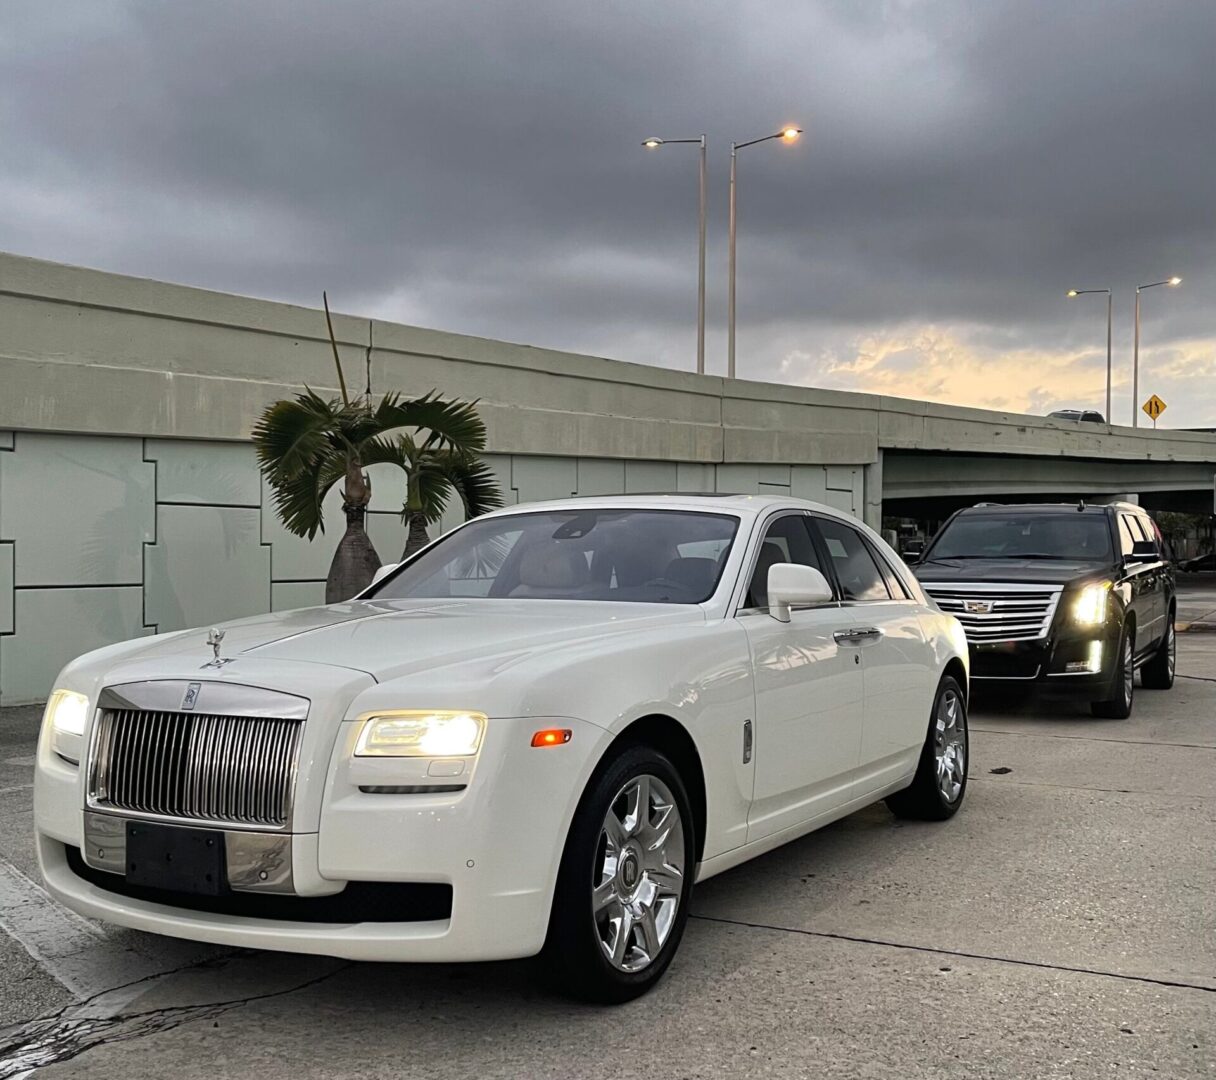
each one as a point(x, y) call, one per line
point(196, 766)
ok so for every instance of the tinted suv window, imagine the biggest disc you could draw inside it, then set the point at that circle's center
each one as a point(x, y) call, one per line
point(788, 539)
point(856, 570)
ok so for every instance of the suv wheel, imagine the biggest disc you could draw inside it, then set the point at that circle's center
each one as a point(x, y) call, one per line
point(1119, 707)
point(1158, 673)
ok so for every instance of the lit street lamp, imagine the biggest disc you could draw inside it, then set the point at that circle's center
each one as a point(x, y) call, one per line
point(1109, 314)
point(788, 134)
point(1136, 349)
point(654, 144)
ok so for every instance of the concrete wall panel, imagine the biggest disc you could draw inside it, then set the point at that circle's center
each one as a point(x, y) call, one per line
point(597, 476)
point(6, 588)
point(695, 477)
point(648, 476)
point(77, 509)
point(538, 478)
point(208, 473)
point(57, 625)
point(207, 565)
point(286, 595)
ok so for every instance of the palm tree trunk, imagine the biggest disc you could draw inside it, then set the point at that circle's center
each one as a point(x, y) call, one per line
point(355, 561)
point(418, 537)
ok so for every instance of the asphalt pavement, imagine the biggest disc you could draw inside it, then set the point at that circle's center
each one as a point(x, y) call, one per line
point(1063, 924)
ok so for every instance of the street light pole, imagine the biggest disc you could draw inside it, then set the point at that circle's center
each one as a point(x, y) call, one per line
point(789, 135)
point(654, 144)
point(1109, 317)
point(1136, 348)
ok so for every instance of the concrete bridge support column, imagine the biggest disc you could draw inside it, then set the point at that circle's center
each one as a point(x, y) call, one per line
point(872, 485)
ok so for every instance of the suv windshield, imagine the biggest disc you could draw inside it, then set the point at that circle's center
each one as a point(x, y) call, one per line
point(643, 556)
point(1067, 535)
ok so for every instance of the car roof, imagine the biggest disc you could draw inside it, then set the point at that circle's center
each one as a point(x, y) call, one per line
point(1048, 508)
point(704, 502)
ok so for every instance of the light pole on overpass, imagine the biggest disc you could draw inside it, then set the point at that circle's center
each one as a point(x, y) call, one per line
point(654, 144)
point(788, 135)
point(1136, 349)
point(1109, 316)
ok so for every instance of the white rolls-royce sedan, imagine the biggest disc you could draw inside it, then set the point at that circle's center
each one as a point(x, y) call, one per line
point(530, 738)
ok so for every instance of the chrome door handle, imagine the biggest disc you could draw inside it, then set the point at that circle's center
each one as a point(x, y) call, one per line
point(857, 635)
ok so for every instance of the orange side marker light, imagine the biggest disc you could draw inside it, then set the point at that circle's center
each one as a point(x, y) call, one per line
point(552, 737)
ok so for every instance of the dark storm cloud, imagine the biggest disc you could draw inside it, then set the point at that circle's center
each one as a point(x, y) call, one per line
point(476, 166)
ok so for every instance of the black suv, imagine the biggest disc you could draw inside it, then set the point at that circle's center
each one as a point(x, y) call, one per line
point(1066, 597)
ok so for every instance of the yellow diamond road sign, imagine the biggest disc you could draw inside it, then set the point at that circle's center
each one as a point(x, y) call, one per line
point(1154, 407)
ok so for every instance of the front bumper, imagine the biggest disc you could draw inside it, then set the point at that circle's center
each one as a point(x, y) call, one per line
point(1076, 665)
point(483, 860)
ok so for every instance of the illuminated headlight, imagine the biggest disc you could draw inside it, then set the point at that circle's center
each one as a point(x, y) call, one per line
point(66, 714)
point(421, 734)
point(1089, 608)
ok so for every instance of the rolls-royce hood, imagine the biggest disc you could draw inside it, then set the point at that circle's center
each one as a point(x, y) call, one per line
point(392, 638)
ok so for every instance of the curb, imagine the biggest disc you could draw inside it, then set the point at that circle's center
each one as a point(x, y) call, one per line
point(1197, 628)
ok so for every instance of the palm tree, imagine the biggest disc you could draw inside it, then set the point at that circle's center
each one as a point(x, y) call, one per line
point(434, 472)
point(308, 443)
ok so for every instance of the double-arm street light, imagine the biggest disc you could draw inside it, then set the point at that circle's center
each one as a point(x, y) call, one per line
point(1136, 348)
point(788, 134)
point(654, 144)
point(1109, 313)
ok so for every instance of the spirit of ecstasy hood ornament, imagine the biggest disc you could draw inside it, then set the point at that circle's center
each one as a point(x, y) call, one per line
point(215, 638)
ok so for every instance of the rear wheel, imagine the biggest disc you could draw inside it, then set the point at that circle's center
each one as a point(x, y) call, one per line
point(940, 783)
point(621, 901)
point(1119, 705)
point(1158, 673)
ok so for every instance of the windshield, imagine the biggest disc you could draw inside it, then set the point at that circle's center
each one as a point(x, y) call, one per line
point(1071, 535)
point(643, 556)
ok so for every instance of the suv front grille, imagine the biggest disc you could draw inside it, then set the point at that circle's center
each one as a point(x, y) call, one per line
point(196, 767)
point(998, 612)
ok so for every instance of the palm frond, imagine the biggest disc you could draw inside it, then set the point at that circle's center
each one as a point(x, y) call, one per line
point(291, 434)
point(454, 424)
point(299, 499)
point(473, 480)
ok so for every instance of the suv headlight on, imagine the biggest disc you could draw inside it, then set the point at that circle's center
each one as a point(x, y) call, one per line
point(66, 714)
point(1089, 607)
point(421, 733)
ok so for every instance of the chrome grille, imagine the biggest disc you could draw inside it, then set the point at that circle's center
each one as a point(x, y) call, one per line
point(1014, 612)
point(196, 766)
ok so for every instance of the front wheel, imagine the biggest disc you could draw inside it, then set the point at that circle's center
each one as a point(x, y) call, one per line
point(1158, 673)
point(1119, 705)
point(621, 900)
point(940, 782)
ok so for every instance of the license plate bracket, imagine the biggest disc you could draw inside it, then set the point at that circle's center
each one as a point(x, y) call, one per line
point(176, 859)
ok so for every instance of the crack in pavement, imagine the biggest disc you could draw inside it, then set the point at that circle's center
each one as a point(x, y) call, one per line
point(1039, 964)
point(1074, 787)
point(74, 1029)
point(1094, 738)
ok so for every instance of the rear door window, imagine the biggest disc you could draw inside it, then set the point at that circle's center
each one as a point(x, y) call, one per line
point(856, 570)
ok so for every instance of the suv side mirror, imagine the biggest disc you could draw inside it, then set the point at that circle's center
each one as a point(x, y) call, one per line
point(791, 584)
point(1144, 551)
point(384, 571)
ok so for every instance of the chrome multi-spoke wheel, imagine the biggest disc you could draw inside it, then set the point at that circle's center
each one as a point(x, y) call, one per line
point(950, 744)
point(1171, 650)
point(940, 781)
point(1129, 669)
point(638, 876)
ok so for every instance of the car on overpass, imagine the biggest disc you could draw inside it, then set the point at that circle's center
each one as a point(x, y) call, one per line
point(1069, 598)
point(530, 737)
point(1089, 416)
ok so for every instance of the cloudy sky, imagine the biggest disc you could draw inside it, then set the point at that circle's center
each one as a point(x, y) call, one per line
point(476, 166)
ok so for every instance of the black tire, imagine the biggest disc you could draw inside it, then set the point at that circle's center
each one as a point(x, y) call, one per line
point(1123, 681)
point(924, 799)
point(1158, 673)
point(573, 960)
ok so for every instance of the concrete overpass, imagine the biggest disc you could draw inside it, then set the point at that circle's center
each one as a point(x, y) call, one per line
point(130, 500)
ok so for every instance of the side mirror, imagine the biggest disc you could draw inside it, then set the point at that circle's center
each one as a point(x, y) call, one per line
point(384, 571)
point(791, 584)
point(1144, 551)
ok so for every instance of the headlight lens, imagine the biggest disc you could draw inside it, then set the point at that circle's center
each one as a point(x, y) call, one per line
point(67, 712)
point(421, 734)
point(1089, 608)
